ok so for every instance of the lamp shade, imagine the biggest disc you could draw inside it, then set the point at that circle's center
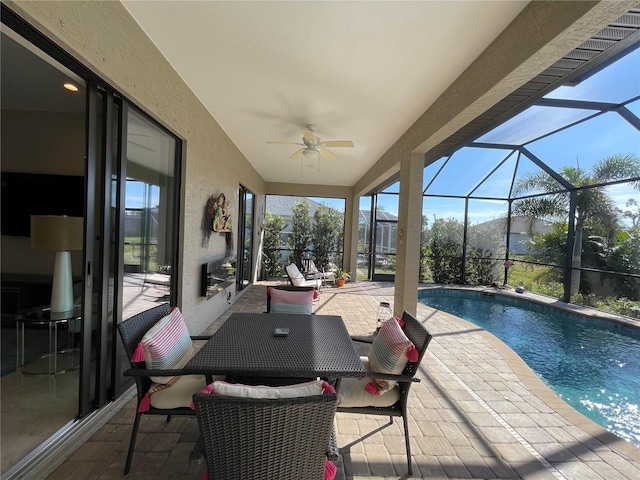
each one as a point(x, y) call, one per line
point(56, 232)
point(60, 234)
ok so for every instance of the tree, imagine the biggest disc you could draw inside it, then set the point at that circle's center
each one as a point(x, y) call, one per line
point(425, 238)
point(326, 232)
point(593, 205)
point(444, 251)
point(300, 236)
point(274, 225)
point(485, 254)
point(633, 214)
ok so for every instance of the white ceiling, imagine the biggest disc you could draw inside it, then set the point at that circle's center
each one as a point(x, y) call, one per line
point(361, 71)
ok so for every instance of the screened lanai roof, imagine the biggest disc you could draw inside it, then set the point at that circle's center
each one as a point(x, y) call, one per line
point(574, 125)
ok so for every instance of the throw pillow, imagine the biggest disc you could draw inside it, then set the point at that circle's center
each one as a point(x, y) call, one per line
point(285, 301)
point(167, 345)
point(389, 353)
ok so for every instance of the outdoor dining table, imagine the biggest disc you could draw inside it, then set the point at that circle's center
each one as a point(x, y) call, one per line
point(247, 345)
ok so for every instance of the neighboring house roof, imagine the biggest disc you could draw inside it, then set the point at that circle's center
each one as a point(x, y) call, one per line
point(520, 224)
point(282, 205)
point(365, 215)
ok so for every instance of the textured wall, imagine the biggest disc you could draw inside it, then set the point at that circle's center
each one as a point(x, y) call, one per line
point(105, 38)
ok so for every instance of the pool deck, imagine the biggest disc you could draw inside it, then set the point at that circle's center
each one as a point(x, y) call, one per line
point(479, 412)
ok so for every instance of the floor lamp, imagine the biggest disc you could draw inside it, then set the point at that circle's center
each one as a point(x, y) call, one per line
point(60, 234)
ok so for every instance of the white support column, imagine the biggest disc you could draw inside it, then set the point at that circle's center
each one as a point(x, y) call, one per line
point(409, 230)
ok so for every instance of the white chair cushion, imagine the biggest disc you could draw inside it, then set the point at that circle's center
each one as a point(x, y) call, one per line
point(180, 393)
point(312, 267)
point(315, 387)
point(352, 393)
point(294, 273)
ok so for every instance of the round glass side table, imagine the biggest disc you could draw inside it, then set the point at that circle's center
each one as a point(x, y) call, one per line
point(56, 360)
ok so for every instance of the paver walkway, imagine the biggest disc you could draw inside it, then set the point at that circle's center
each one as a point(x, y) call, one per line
point(478, 413)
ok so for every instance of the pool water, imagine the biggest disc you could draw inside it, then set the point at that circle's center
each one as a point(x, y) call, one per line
point(594, 365)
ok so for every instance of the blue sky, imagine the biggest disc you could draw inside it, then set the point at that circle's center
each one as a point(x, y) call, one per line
point(580, 145)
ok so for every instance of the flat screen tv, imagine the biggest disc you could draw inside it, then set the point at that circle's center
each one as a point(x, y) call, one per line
point(26, 194)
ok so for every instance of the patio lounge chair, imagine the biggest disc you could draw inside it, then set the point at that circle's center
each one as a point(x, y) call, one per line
point(297, 279)
point(354, 399)
point(312, 273)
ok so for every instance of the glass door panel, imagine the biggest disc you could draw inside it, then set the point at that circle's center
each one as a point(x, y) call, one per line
point(148, 233)
point(365, 235)
point(43, 173)
point(245, 245)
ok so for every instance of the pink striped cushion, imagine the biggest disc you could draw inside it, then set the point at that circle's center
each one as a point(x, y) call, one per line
point(286, 301)
point(388, 354)
point(167, 345)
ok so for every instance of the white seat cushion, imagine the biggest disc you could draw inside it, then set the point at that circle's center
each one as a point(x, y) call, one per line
point(180, 393)
point(314, 387)
point(353, 394)
point(296, 277)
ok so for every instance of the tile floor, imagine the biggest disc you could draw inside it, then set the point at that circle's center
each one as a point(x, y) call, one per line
point(478, 413)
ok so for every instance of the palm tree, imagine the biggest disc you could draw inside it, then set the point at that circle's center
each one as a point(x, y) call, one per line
point(592, 204)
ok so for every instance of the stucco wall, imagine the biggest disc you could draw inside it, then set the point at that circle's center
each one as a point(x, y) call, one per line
point(104, 37)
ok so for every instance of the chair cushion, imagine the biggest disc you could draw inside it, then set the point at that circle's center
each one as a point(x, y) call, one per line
point(315, 387)
point(312, 267)
point(294, 274)
point(179, 394)
point(388, 354)
point(352, 393)
point(284, 301)
point(167, 345)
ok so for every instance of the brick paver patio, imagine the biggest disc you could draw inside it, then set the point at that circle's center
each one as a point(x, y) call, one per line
point(479, 412)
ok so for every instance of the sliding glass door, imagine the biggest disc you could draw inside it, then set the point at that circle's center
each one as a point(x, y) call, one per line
point(44, 177)
point(73, 147)
point(244, 267)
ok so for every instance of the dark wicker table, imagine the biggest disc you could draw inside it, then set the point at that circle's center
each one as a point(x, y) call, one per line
point(316, 346)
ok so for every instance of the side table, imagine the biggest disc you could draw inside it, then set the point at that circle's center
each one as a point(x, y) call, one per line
point(43, 316)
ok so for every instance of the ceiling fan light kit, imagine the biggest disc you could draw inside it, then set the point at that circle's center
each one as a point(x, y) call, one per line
point(313, 146)
point(310, 153)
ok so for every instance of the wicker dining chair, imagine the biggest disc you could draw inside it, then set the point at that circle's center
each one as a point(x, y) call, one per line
point(420, 337)
point(252, 438)
point(131, 331)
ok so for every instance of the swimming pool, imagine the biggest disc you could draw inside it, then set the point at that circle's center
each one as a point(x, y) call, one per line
point(594, 365)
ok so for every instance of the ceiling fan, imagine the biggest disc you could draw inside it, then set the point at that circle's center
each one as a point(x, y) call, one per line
point(313, 146)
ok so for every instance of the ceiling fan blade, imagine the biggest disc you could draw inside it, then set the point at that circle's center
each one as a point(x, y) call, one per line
point(288, 143)
point(296, 154)
point(328, 154)
point(308, 134)
point(337, 143)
